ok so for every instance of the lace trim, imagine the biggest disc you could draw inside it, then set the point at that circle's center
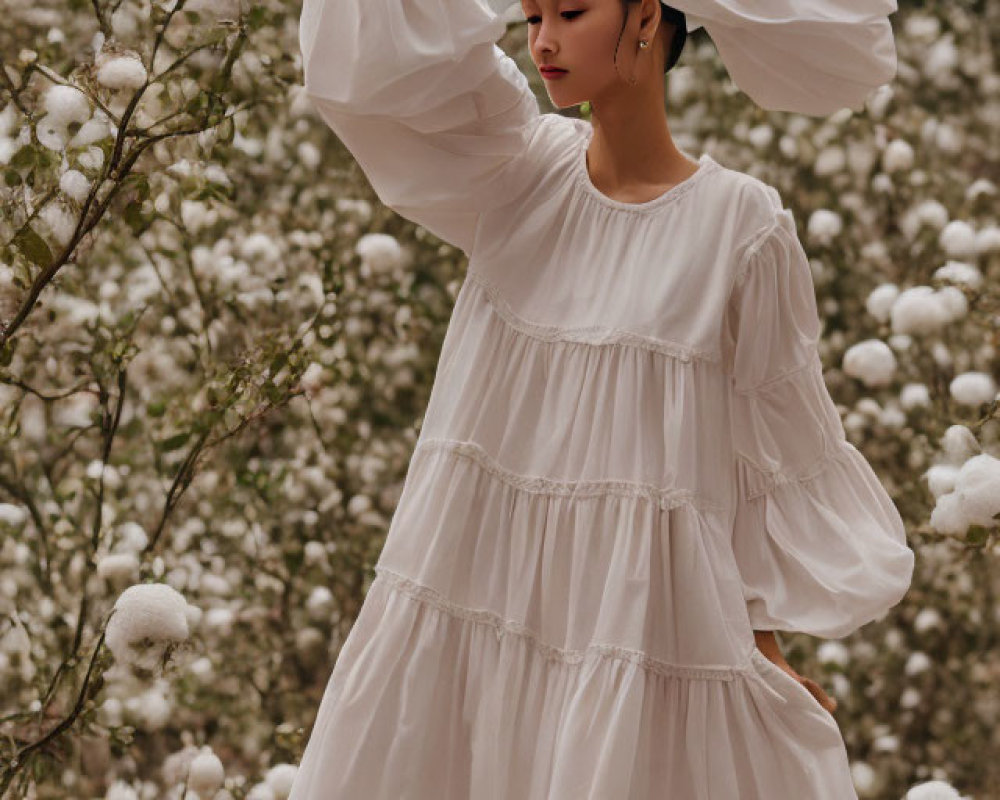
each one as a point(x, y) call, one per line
point(665, 498)
point(592, 335)
point(774, 478)
point(505, 627)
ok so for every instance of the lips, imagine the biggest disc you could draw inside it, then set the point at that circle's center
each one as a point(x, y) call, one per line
point(551, 70)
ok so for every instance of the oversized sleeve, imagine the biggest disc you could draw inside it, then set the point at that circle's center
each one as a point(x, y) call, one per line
point(437, 116)
point(819, 544)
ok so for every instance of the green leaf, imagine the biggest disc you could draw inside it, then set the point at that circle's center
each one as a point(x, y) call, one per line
point(33, 246)
point(24, 158)
point(977, 535)
point(156, 408)
point(174, 442)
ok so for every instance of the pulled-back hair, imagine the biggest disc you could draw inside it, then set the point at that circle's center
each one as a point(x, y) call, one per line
point(667, 14)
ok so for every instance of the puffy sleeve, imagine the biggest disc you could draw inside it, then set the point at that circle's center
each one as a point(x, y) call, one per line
point(819, 544)
point(434, 112)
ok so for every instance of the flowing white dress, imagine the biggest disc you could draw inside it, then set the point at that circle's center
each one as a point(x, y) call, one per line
point(629, 461)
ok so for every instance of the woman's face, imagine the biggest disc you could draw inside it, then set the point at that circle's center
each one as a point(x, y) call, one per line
point(580, 37)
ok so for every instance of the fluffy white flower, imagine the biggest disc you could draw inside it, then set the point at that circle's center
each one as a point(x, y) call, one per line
point(928, 619)
point(58, 221)
point(953, 301)
point(66, 104)
point(93, 130)
point(897, 156)
point(933, 790)
point(830, 161)
point(121, 72)
point(958, 444)
point(958, 239)
point(880, 300)
point(919, 310)
point(975, 499)
point(941, 479)
point(917, 663)
point(913, 395)
point(960, 272)
point(51, 133)
point(118, 568)
point(380, 251)
point(146, 612)
point(309, 155)
point(312, 379)
point(761, 136)
point(864, 777)
point(280, 778)
point(931, 213)
point(824, 225)
point(260, 246)
point(871, 362)
point(119, 790)
point(206, 774)
point(75, 185)
point(988, 240)
point(91, 158)
point(833, 652)
point(973, 388)
point(12, 515)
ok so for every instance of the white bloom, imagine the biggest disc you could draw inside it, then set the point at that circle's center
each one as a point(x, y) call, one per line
point(953, 302)
point(12, 515)
point(66, 104)
point(146, 612)
point(380, 251)
point(975, 499)
point(59, 222)
point(927, 619)
point(197, 215)
point(922, 26)
point(880, 300)
point(206, 774)
point(118, 568)
point(917, 663)
point(74, 185)
point(910, 698)
point(932, 790)
point(973, 388)
point(931, 213)
point(833, 652)
point(919, 310)
point(960, 272)
point(309, 155)
point(280, 778)
point(958, 444)
point(824, 225)
point(941, 479)
point(51, 133)
point(864, 778)
point(119, 790)
point(312, 379)
point(988, 240)
point(151, 709)
point(913, 395)
point(760, 136)
point(121, 72)
point(940, 60)
point(871, 361)
point(260, 246)
point(830, 161)
point(897, 156)
point(91, 158)
point(131, 537)
point(93, 130)
point(980, 186)
point(958, 239)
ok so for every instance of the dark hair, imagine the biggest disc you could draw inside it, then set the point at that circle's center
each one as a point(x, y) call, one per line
point(667, 14)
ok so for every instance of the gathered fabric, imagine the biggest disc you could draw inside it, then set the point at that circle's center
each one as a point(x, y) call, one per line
point(628, 462)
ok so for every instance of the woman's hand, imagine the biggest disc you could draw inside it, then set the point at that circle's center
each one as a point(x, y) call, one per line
point(768, 645)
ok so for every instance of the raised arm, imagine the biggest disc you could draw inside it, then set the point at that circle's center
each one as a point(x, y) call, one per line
point(437, 116)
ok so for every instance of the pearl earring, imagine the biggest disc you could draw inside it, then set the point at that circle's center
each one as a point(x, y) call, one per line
point(643, 43)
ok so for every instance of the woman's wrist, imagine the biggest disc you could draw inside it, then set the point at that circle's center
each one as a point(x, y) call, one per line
point(767, 643)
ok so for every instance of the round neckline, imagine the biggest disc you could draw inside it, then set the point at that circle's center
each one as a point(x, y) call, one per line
point(705, 163)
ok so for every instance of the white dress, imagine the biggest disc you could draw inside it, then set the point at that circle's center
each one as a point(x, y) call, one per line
point(629, 461)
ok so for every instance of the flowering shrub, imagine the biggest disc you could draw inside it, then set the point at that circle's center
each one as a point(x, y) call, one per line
point(211, 384)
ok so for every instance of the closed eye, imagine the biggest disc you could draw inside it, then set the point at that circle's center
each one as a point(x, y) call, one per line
point(533, 20)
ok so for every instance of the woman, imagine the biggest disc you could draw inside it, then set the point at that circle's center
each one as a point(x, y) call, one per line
point(630, 472)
